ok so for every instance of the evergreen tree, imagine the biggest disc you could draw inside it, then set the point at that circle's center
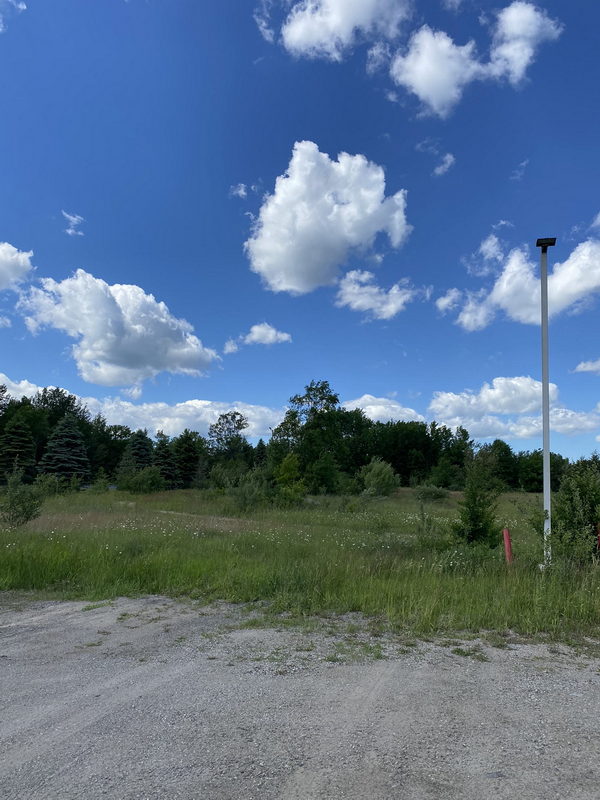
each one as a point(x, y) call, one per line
point(164, 459)
point(141, 449)
point(17, 450)
point(66, 455)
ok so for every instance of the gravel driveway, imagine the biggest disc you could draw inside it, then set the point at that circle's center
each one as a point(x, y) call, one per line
point(150, 699)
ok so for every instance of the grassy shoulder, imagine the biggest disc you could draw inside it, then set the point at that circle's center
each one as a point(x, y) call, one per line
point(390, 559)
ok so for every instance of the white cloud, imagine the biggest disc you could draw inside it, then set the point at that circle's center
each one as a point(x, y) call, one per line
point(328, 28)
point(442, 168)
point(231, 346)
point(448, 301)
point(452, 5)
point(5, 322)
point(491, 249)
point(73, 223)
point(503, 396)
point(520, 29)
point(596, 222)
point(262, 17)
point(124, 335)
point(264, 333)
point(320, 212)
point(14, 265)
point(504, 409)
point(588, 366)
point(519, 171)
point(516, 291)
point(378, 57)
point(19, 389)
point(6, 8)
point(239, 190)
point(383, 409)
point(358, 292)
point(437, 70)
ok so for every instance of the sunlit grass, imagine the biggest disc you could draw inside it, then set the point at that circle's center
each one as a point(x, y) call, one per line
point(382, 558)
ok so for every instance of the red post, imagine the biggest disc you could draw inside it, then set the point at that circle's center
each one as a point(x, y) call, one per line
point(508, 546)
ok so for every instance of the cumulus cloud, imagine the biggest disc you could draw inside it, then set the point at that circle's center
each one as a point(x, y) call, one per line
point(516, 291)
point(491, 249)
point(588, 366)
point(328, 28)
point(14, 265)
point(442, 168)
point(437, 70)
point(124, 335)
point(596, 222)
point(358, 292)
point(504, 408)
point(73, 223)
point(19, 389)
point(5, 322)
point(264, 333)
point(520, 29)
point(449, 301)
point(7, 7)
point(383, 409)
point(262, 17)
point(320, 212)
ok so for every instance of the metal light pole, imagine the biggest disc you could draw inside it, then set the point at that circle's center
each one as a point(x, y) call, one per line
point(544, 244)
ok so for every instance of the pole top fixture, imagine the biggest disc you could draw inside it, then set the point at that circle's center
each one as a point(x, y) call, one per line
point(545, 244)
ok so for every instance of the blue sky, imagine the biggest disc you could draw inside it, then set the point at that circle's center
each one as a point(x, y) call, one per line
point(204, 206)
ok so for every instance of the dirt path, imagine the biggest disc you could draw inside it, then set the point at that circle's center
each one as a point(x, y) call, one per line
point(150, 699)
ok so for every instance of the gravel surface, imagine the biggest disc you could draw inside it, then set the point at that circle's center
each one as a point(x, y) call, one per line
point(151, 699)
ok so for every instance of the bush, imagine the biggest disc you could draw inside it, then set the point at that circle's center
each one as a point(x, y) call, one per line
point(20, 503)
point(253, 491)
point(145, 481)
point(429, 494)
point(49, 485)
point(576, 512)
point(378, 478)
point(477, 523)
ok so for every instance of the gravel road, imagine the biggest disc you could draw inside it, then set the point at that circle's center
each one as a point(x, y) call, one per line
point(150, 699)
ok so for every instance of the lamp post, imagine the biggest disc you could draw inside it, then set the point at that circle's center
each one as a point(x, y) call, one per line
point(544, 244)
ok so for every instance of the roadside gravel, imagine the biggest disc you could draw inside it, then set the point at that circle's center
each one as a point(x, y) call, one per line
point(149, 698)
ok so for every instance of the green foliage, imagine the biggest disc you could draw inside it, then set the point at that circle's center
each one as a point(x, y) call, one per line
point(477, 523)
point(101, 483)
point(19, 503)
point(49, 485)
point(145, 481)
point(17, 448)
point(189, 451)
point(576, 513)
point(378, 478)
point(65, 454)
point(253, 491)
point(291, 490)
point(430, 494)
point(227, 474)
point(322, 476)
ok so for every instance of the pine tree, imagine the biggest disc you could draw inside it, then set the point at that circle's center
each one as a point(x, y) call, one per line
point(188, 448)
point(65, 454)
point(17, 449)
point(164, 460)
point(141, 449)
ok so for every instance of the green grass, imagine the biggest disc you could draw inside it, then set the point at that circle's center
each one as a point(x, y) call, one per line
point(336, 555)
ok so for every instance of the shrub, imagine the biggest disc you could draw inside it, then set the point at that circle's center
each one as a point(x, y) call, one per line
point(378, 478)
point(20, 503)
point(145, 481)
point(577, 510)
point(49, 485)
point(253, 491)
point(429, 494)
point(477, 523)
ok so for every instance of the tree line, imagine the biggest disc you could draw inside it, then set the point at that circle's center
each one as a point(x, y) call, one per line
point(319, 447)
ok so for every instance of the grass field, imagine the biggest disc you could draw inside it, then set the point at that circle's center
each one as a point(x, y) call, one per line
point(383, 557)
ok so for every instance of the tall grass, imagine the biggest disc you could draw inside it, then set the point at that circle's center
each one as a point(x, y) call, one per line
point(377, 558)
